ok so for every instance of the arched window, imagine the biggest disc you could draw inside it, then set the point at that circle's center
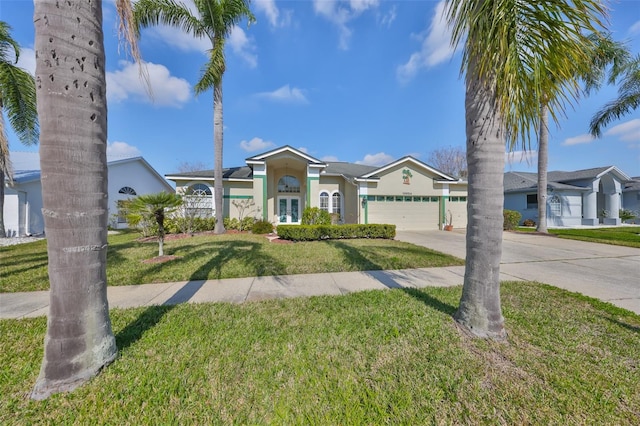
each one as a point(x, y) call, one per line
point(324, 201)
point(127, 190)
point(199, 190)
point(336, 204)
point(288, 183)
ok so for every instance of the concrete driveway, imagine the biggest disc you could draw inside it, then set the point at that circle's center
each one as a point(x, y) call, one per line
point(606, 272)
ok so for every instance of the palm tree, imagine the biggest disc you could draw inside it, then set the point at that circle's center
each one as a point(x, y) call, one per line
point(503, 43)
point(18, 100)
point(602, 53)
point(72, 106)
point(214, 19)
point(628, 96)
point(154, 206)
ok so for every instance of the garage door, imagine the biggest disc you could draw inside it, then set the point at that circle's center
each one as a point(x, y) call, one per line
point(407, 213)
point(458, 208)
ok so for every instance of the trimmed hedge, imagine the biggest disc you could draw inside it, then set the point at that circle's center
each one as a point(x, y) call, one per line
point(332, 232)
point(511, 220)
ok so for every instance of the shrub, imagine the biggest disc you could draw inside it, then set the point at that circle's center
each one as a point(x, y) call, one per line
point(511, 219)
point(626, 214)
point(529, 222)
point(246, 224)
point(231, 224)
point(328, 232)
point(262, 227)
point(315, 216)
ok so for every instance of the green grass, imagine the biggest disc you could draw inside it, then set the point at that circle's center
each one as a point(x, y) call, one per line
point(377, 357)
point(24, 267)
point(620, 235)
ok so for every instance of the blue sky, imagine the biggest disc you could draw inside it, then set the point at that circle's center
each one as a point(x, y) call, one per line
point(365, 81)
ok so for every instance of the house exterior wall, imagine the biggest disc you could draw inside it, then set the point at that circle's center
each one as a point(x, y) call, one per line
point(132, 174)
point(631, 201)
point(570, 207)
point(11, 213)
point(393, 182)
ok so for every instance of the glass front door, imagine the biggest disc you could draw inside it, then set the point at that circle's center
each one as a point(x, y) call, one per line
point(289, 209)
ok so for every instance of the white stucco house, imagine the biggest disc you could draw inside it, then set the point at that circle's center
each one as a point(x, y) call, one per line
point(631, 197)
point(279, 184)
point(582, 197)
point(23, 199)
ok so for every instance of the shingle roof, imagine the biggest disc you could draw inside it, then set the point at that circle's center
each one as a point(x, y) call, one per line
point(524, 181)
point(558, 176)
point(243, 172)
point(348, 169)
point(633, 184)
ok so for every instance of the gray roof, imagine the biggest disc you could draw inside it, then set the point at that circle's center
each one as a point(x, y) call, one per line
point(558, 176)
point(633, 184)
point(524, 181)
point(243, 172)
point(348, 169)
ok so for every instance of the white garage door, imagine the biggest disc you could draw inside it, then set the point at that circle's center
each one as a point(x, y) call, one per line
point(407, 213)
point(458, 208)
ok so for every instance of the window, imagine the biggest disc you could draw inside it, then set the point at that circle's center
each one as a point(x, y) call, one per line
point(324, 201)
point(336, 204)
point(532, 201)
point(199, 190)
point(288, 183)
point(198, 201)
point(127, 190)
point(555, 207)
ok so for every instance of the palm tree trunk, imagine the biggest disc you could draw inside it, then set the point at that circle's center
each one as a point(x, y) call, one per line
point(71, 91)
point(4, 168)
point(217, 151)
point(543, 160)
point(480, 311)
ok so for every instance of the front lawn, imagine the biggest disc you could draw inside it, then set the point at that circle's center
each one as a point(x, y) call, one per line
point(24, 267)
point(620, 235)
point(376, 357)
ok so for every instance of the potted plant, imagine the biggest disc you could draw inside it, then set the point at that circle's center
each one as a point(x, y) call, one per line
point(448, 221)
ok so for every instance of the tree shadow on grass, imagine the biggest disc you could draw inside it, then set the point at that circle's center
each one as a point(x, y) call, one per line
point(246, 252)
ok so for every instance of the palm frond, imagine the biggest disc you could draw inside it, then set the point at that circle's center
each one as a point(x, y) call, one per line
point(526, 53)
point(213, 71)
point(168, 12)
point(18, 100)
point(7, 44)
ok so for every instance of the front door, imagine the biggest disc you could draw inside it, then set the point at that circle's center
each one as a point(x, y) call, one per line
point(289, 209)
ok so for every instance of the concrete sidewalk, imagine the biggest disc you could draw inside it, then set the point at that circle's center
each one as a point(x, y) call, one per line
point(609, 273)
point(239, 290)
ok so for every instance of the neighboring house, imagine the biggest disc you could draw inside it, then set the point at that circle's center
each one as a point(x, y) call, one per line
point(23, 200)
point(582, 197)
point(631, 197)
point(278, 185)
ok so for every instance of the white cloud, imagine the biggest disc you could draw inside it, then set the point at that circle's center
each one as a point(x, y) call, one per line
point(628, 131)
point(379, 159)
point(179, 39)
point(386, 19)
point(167, 90)
point(122, 150)
point(329, 158)
point(285, 94)
point(436, 46)
point(580, 139)
point(516, 157)
point(635, 28)
point(340, 13)
point(243, 46)
point(256, 144)
point(269, 8)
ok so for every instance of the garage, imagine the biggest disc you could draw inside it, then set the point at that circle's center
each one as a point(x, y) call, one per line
point(406, 212)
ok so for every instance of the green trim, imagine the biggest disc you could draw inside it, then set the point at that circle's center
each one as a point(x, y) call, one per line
point(366, 208)
point(309, 179)
point(238, 197)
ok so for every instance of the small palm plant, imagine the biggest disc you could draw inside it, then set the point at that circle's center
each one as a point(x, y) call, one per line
point(154, 206)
